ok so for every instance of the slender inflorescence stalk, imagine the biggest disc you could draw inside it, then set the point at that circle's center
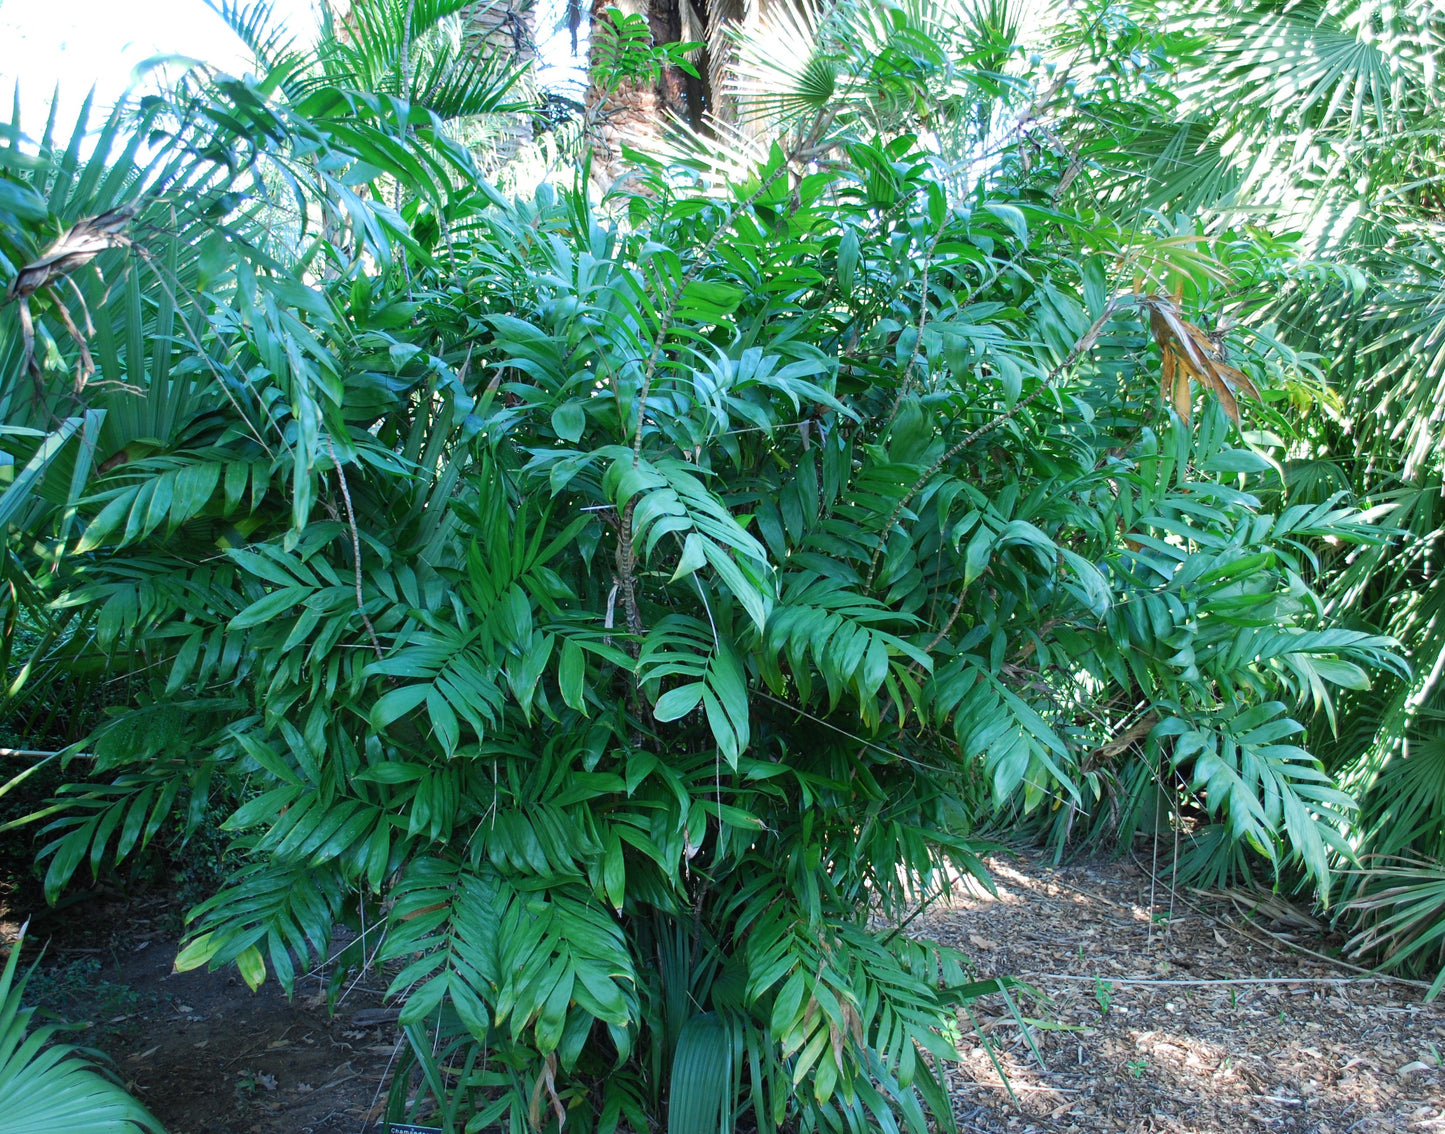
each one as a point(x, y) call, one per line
point(355, 552)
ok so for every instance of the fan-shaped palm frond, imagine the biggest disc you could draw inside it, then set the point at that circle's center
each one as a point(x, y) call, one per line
point(47, 1086)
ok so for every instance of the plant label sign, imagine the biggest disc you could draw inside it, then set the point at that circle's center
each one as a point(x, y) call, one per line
point(408, 1128)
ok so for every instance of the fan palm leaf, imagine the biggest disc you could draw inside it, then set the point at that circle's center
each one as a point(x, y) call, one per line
point(47, 1086)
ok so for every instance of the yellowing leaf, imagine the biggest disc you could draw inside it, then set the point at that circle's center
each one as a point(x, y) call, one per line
point(197, 953)
point(252, 968)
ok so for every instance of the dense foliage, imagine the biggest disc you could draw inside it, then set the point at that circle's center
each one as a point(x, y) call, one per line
point(1320, 120)
point(620, 613)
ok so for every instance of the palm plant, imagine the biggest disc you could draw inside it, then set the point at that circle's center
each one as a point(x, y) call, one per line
point(122, 269)
point(664, 592)
point(127, 279)
point(1363, 94)
point(611, 621)
point(952, 73)
point(47, 1086)
point(1320, 117)
point(429, 53)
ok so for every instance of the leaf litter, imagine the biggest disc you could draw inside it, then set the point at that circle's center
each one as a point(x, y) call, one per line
point(1204, 1021)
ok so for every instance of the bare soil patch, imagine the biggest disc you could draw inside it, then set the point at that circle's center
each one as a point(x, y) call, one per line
point(1197, 1022)
point(201, 1050)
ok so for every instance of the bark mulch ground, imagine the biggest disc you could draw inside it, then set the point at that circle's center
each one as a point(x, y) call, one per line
point(1203, 1020)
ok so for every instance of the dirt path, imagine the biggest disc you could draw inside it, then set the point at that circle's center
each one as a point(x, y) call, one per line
point(205, 1053)
point(1232, 1034)
point(1188, 1026)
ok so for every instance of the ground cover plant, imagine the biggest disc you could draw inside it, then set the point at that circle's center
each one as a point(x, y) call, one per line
point(609, 608)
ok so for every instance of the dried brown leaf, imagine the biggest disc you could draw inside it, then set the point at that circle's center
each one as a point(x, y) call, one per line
point(1237, 379)
point(1226, 397)
point(1183, 401)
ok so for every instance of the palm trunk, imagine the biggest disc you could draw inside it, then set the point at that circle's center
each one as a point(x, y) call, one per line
point(632, 115)
point(502, 28)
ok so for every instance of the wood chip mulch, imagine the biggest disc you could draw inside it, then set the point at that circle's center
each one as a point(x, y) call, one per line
point(1197, 1021)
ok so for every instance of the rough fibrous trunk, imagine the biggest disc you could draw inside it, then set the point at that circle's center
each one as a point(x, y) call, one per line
point(503, 31)
point(633, 114)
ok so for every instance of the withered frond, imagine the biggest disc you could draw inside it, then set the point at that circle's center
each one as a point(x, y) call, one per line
point(76, 247)
point(1188, 353)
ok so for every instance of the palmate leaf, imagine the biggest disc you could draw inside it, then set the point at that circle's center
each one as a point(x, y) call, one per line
point(47, 1086)
point(18, 493)
point(254, 23)
point(388, 45)
point(1323, 65)
point(1399, 907)
point(703, 1066)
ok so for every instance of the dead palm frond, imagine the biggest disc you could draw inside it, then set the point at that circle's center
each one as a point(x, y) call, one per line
point(76, 247)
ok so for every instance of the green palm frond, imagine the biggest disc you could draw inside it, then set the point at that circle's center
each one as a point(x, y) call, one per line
point(255, 24)
point(47, 1086)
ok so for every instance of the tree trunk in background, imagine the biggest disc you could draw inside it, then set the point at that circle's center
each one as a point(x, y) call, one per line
point(633, 114)
point(677, 91)
point(502, 30)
